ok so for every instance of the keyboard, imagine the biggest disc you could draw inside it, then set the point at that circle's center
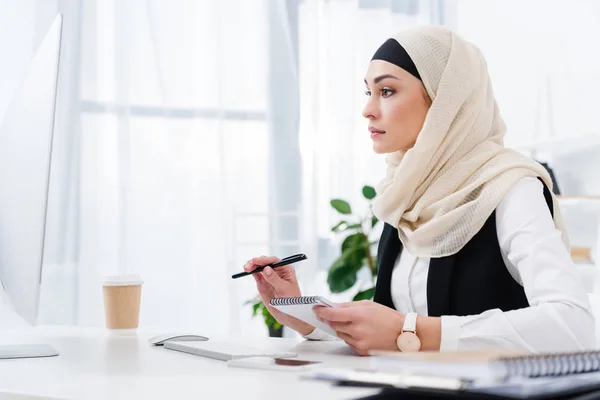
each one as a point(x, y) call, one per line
point(224, 350)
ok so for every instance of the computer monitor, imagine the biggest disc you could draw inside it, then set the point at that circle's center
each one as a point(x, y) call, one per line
point(26, 135)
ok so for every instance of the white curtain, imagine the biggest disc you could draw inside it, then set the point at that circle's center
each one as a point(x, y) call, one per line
point(163, 157)
point(337, 40)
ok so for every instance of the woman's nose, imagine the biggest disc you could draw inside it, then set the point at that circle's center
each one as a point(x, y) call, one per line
point(369, 111)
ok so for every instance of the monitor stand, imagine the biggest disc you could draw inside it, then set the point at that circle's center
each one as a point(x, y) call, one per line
point(26, 351)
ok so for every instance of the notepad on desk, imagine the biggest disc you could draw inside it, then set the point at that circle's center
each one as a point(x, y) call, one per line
point(493, 365)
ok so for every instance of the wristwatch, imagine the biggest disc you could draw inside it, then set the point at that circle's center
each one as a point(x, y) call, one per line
point(408, 339)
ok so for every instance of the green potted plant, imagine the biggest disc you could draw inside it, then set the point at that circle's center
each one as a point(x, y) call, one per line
point(258, 308)
point(357, 248)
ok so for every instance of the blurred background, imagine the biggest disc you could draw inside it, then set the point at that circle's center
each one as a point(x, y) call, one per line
point(194, 135)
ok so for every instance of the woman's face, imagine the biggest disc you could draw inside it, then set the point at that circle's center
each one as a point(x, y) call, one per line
point(396, 107)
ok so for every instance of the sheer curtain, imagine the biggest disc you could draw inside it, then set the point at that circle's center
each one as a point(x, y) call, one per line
point(164, 154)
point(337, 41)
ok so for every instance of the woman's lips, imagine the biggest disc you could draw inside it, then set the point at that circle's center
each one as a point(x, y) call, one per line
point(375, 132)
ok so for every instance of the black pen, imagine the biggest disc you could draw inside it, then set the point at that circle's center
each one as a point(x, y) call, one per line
point(285, 261)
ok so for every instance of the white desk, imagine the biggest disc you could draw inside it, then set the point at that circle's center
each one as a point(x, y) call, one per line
point(95, 365)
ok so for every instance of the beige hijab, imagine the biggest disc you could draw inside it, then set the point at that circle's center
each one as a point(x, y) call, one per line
point(440, 193)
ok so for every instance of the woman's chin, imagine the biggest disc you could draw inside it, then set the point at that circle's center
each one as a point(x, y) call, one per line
point(381, 148)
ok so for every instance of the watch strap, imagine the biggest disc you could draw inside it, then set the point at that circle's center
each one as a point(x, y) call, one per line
point(410, 322)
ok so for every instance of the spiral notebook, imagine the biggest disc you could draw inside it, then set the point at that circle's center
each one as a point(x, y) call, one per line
point(301, 308)
point(474, 374)
point(494, 365)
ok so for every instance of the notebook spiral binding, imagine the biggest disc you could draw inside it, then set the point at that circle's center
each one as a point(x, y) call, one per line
point(556, 364)
point(292, 301)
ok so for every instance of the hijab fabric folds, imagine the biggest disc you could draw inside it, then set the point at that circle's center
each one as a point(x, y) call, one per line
point(439, 193)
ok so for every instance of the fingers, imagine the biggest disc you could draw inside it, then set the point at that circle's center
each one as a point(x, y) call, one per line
point(343, 327)
point(353, 348)
point(259, 280)
point(264, 288)
point(256, 262)
point(271, 285)
point(354, 344)
point(357, 346)
point(335, 314)
point(270, 276)
point(345, 337)
point(359, 351)
point(354, 304)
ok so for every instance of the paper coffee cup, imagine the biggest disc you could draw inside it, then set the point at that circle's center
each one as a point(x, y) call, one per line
point(122, 297)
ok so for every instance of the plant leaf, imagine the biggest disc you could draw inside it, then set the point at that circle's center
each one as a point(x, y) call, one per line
point(268, 318)
point(369, 192)
point(341, 278)
point(338, 227)
point(255, 308)
point(364, 244)
point(374, 221)
point(342, 274)
point(365, 294)
point(265, 312)
point(355, 241)
point(341, 206)
point(354, 226)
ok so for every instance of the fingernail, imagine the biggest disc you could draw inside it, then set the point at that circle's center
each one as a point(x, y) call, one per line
point(246, 266)
point(268, 271)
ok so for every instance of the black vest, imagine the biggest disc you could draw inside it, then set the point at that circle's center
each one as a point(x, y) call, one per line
point(469, 282)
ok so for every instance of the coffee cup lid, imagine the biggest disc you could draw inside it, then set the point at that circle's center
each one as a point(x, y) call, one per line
point(122, 280)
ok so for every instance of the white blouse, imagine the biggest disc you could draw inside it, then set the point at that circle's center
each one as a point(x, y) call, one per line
point(559, 317)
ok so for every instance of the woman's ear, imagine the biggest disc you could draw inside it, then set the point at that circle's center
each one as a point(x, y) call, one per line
point(426, 96)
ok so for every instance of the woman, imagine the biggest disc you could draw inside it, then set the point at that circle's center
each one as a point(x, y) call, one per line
point(473, 254)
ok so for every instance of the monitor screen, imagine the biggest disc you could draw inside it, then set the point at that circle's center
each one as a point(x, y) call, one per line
point(26, 135)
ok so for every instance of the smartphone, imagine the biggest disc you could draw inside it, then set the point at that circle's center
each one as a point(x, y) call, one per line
point(280, 364)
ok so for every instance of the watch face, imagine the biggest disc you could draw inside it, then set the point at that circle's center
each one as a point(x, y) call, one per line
point(408, 341)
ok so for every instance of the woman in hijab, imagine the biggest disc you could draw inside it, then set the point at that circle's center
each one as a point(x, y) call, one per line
point(474, 254)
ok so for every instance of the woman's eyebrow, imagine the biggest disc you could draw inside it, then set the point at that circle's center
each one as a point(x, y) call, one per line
point(382, 77)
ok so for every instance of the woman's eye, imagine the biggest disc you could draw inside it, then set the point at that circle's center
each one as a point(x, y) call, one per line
point(386, 92)
point(368, 92)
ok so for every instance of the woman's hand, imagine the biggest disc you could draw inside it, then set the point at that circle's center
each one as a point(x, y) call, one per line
point(279, 282)
point(364, 325)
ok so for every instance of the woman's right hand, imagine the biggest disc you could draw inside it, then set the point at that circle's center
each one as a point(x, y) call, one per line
point(278, 282)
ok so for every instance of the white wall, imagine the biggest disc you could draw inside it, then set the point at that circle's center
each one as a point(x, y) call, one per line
point(527, 41)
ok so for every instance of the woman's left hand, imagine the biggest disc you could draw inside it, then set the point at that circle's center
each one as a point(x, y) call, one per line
point(363, 325)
